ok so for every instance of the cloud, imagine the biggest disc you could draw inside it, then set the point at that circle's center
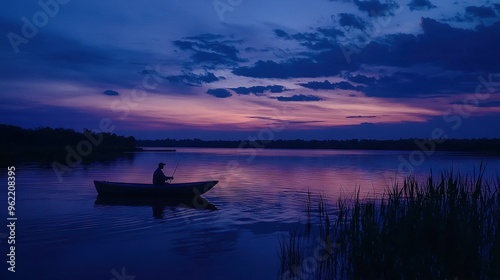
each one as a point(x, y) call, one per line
point(326, 85)
point(324, 33)
point(350, 20)
point(314, 41)
point(317, 64)
point(282, 34)
point(362, 79)
point(271, 69)
point(265, 118)
point(375, 8)
point(219, 93)
point(361, 117)
point(259, 90)
point(303, 122)
point(324, 38)
point(55, 57)
point(440, 45)
point(207, 37)
point(421, 5)
point(490, 104)
point(298, 98)
point(193, 79)
point(406, 84)
point(281, 121)
point(330, 32)
point(459, 55)
point(487, 104)
point(210, 48)
point(480, 12)
point(189, 79)
point(110, 92)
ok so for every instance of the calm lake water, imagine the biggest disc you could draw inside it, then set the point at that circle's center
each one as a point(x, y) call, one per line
point(62, 232)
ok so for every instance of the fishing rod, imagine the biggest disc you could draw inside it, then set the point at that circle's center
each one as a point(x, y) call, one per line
point(175, 169)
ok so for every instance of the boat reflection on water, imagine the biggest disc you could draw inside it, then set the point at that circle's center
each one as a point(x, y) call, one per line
point(157, 204)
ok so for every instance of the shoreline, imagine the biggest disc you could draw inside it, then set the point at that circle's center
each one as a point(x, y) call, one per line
point(426, 145)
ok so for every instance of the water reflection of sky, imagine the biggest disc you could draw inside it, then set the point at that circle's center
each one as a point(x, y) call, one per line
point(258, 202)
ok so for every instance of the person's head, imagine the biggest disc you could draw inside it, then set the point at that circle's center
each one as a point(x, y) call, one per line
point(160, 165)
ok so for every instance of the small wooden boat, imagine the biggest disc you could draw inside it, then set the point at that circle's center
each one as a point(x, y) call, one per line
point(117, 189)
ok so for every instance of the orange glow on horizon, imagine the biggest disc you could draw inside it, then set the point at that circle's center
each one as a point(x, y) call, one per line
point(245, 112)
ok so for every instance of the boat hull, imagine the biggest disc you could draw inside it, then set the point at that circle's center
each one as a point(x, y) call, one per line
point(118, 189)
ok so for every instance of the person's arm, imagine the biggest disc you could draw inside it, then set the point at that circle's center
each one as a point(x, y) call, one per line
point(166, 177)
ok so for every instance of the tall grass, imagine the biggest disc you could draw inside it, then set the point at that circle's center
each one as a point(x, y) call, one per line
point(445, 228)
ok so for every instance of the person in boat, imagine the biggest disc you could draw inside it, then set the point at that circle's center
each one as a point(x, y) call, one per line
point(158, 177)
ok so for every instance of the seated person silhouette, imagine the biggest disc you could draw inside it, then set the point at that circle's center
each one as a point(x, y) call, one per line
point(158, 177)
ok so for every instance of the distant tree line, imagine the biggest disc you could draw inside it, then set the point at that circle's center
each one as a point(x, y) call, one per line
point(47, 143)
point(479, 145)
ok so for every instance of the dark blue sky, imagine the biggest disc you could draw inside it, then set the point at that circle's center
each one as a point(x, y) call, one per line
point(237, 69)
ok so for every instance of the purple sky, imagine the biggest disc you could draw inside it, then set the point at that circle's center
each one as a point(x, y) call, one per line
point(234, 69)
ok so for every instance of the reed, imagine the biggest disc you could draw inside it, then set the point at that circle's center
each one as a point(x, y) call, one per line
point(445, 228)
